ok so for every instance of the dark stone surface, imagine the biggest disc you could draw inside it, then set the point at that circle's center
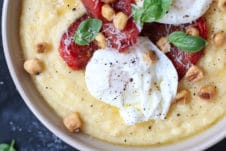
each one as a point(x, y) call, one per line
point(17, 122)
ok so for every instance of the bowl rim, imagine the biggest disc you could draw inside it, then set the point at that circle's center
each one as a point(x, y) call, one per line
point(217, 132)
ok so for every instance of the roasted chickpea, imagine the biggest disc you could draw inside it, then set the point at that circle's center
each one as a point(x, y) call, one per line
point(219, 39)
point(101, 40)
point(33, 66)
point(207, 92)
point(193, 31)
point(194, 74)
point(222, 5)
point(107, 12)
point(120, 20)
point(72, 122)
point(163, 44)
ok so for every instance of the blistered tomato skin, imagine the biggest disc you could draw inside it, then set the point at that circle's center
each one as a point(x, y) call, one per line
point(74, 55)
point(182, 60)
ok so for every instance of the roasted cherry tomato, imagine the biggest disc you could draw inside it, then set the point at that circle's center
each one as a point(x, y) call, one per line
point(182, 60)
point(74, 55)
point(120, 40)
point(93, 8)
point(123, 6)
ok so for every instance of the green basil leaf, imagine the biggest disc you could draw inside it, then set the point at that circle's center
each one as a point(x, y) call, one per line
point(4, 147)
point(152, 10)
point(165, 7)
point(7, 147)
point(87, 31)
point(137, 14)
point(187, 42)
point(151, 14)
point(11, 148)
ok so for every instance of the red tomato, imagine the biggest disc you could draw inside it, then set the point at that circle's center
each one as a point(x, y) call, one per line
point(123, 6)
point(93, 8)
point(74, 55)
point(121, 40)
point(182, 60)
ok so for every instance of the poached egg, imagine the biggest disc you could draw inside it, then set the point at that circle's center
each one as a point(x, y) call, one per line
point(140, 88)
point(183, 11)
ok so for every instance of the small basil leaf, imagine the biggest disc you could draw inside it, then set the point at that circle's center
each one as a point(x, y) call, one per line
point(187, 42)
point(137, 14)
point(87, 31)
point(151, 14)
point(4, 147)
point(7, 147)
point(152, 10)
point(165, 7)
point(11, 148)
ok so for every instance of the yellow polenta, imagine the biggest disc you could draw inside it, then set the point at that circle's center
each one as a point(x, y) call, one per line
point(65, 90)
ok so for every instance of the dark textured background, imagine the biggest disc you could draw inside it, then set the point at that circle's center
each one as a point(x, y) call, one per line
point(17, 122)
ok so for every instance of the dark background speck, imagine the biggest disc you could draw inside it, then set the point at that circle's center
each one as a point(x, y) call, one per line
point(17, 122)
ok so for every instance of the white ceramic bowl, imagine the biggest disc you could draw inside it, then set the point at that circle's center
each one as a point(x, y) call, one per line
point(14, 57)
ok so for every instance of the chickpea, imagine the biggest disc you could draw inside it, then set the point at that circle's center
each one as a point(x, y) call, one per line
point(107, 12)
point(72, 122)
point(163, 44)
point(194, 74)
point(33, 66)
point(222, 5)
point(219, 39)
point(192, 31)
point(101, 40)
point(207, 92)
point(120, 20)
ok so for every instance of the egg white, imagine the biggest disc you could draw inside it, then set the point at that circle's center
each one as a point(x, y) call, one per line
point(185, 11)
point(140, 89)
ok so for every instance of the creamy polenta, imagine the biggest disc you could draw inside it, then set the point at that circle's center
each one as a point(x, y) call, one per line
point(65, 90)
